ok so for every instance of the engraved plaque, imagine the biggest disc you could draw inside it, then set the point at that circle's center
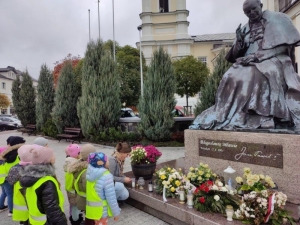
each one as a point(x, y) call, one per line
point(253, 153)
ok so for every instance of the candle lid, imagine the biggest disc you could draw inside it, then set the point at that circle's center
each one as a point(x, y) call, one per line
point(229, 170)
point(229, 207)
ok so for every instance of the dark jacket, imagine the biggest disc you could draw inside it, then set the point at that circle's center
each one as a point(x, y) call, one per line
point(48, 202)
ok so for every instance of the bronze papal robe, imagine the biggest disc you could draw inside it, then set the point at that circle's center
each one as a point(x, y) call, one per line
point(265, 93)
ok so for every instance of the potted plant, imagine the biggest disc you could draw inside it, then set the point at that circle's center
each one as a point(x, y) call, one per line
point(143, 160)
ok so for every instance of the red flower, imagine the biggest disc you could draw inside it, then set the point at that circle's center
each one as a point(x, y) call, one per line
point(209, 183)
point(196, 191)
point(202, 200)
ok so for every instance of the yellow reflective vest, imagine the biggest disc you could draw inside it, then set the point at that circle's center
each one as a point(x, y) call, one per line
point(81, 193)
point(94, 204)
point(69, 181)
point(4, 169)
point(35, 216)
point(20, 206)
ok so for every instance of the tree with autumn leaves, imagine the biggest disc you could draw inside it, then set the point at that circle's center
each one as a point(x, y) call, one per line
point(4, 101)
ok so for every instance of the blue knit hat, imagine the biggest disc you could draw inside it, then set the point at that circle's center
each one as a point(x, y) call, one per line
point(97, 159)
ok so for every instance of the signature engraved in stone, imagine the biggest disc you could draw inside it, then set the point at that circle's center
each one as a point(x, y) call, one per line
point(243, 153)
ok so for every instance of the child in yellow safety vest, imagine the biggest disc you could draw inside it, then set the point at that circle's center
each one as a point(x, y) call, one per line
point(44, 198)
point(72, 153)
point(10, 157)
point(101, 201)
point(20, 211)
point(78, 169)
point(3, 193)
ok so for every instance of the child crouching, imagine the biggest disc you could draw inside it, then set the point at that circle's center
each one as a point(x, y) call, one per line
point(101, 201)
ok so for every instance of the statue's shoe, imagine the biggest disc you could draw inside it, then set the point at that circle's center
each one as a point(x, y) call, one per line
point(268, 124)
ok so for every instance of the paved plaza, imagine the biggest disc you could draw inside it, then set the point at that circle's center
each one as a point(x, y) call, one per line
point(129, 214)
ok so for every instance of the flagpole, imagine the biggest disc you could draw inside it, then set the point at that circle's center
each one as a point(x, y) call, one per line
point(114, 44)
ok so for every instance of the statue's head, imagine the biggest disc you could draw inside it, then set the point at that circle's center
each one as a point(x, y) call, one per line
point(253, 10)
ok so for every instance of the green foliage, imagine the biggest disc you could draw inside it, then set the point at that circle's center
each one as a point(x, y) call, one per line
point(16, 88)
point(209, 90)
point(99, 106)
point(27, 101)
point(190, 75)
point(156, 104)
point(128, 59)
point(114, 135)
point(109, 47)
point(78, 74)
point(64, 112)
point(49, 129)
point(45, 97)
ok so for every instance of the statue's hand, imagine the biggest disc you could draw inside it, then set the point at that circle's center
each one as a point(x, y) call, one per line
point(240, 34)
point(248, 59)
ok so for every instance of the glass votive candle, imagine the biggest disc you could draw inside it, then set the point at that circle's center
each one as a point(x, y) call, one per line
point(133, 182)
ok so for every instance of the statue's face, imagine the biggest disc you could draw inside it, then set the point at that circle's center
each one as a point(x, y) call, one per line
point(253, 10)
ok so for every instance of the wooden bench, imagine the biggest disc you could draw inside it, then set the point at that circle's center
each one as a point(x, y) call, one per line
point(29, 128)
point(70, 133)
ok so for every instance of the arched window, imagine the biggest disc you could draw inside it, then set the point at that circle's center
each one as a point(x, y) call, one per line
point(163, 5)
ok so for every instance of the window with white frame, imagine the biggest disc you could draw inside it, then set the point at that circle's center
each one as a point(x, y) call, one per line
point(202, 59)
point(3, 85)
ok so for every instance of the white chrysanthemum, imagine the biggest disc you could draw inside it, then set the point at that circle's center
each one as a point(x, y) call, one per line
point(217, 197)
point(220, 184)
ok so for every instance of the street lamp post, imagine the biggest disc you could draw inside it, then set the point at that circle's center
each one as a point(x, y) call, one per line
point(114, 44)
point(141, 62)
point(89, 27)
point(99, 19)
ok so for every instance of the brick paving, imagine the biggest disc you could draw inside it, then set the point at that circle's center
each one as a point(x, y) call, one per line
point(129, 215)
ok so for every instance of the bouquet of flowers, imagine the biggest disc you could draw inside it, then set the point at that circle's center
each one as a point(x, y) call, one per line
point(213, 197)
point(169, 178)
point(254, 182)
point(200, 174)
point(262, 207)
point(144, 155)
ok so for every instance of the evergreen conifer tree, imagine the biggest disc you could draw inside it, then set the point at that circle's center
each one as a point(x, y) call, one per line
point(45, 97)
point(158, 101)
point(64, 113)
point(99, 107)
point(27, 101)
point(209, 90)
point(16, 88)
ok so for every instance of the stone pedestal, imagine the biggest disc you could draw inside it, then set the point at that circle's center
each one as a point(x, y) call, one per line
point(276, 155)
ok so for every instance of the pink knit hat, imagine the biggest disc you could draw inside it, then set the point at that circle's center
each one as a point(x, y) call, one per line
point(2, 149)
point(25, 154)
point(73, 150)
point(41, 155)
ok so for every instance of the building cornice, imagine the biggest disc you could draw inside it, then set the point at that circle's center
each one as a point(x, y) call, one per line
point(164, 13)
point(166, 42)
point(163, 24)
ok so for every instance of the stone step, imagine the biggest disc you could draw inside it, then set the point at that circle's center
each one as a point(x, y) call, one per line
point(172, 211)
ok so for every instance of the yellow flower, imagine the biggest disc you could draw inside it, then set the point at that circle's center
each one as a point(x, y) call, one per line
point(207, 175)
point(268, 179)
point(199, 178)
point(201, 164)
point(239, 180)
point(177, 182)
point(170, 179)
point(172, 189)
point(162, 177)
point(169, 168)
point(247, 170)
point(191, 168)
point(250, 182)
point(262, 176)
point(214, 174)
point(173, 171)
point(200, 172)
point(255, 177)
point(205, 165)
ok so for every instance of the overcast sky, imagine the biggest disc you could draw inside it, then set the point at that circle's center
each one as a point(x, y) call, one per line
point(34, 32)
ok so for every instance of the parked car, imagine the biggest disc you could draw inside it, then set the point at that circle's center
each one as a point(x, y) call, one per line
point(9, 123)
point(127, 112)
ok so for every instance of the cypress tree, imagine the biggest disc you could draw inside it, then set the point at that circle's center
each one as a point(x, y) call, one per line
point(27, 101)
point(158, 101)
point(16, 88)
point(209, 90)
point(45, 97)
point(99, 107)
point(64, 113)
